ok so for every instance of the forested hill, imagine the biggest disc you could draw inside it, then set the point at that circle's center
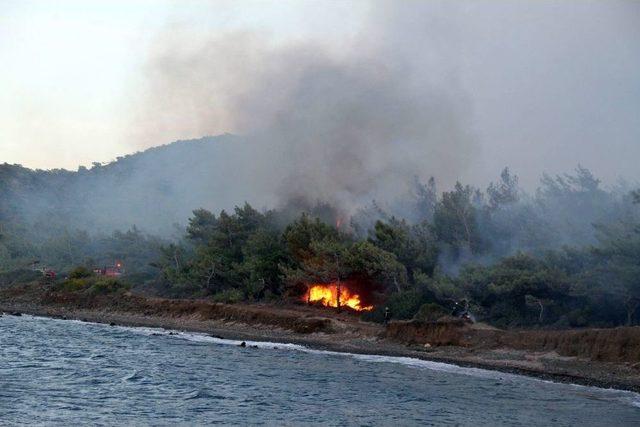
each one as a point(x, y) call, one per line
point(567, 254)
point(152, 189)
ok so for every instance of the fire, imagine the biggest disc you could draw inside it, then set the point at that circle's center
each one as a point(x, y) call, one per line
point(327, 295)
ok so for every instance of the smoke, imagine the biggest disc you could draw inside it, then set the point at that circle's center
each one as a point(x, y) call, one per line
point(456, 91)
point(343, 124)
point(452, 90)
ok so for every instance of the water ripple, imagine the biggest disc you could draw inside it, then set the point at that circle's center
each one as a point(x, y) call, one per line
point(58, 372)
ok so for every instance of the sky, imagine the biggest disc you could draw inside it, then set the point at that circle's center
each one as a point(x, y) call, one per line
point(70, 68)
point(547, 84)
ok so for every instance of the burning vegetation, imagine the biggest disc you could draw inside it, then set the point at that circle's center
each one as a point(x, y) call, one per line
point(334, 295)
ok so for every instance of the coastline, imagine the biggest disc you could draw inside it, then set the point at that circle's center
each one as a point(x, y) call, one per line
point(369, 341)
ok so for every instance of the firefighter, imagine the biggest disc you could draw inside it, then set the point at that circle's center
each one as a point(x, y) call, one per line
point(387, 315)
point(461, 310)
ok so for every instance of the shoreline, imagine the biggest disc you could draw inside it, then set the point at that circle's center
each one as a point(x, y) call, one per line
point(343, 342)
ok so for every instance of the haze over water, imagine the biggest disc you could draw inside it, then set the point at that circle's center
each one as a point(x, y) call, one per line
point(57, 372)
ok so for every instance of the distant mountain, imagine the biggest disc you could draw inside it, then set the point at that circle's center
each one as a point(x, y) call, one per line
point(152, 189)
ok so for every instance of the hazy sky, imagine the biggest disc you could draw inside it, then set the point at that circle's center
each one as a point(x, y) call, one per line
point(549, 84)
point(70, 69)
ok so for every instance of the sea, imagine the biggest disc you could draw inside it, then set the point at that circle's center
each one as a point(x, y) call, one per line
point(67, 373)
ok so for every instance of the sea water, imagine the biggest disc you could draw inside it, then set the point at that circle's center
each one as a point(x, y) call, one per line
point(59, 372)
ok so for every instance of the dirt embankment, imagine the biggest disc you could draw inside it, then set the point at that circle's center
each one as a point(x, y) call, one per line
point(449, 332)
point(168, 308)
point(606, 345)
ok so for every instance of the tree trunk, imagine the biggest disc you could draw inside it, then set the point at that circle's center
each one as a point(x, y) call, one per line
point(175, 258)
point(212, 273)
point(465, 224)
point(69, 249)
point(632, 306)
point(395, 282)
point(541, 311)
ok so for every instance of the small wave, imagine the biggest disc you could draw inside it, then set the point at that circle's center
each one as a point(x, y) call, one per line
point(196, 394)
point(201, 394)
point(133, 376)
point(204, 338)
point(608, 394)
point(627, 397)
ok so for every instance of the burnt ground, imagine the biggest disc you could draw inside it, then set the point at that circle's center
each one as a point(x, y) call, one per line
point(607, 358)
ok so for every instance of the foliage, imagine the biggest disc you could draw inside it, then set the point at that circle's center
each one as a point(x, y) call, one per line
point(379, 268)
point(91, 284)
point(455, 219)
point(414, 246)
point(430, 312)
point(73, 285)
point(300, 234)
point(19, 276)
point(229, 296)
point(108, 285)
point(505, 291)
point(566, 255)
point(404, 305)
point(80, 272)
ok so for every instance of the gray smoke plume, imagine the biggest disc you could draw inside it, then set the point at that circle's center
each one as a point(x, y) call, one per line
point(340, 125)
point(457, 90)
point(454, 90)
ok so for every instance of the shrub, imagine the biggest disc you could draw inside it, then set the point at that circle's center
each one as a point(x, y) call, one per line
point(108, 286)
point(73, 285)
point(579, 317)
point(80, 273)
point(19, 276)
point(229, 296)
point(402, 306)
point(430, 312)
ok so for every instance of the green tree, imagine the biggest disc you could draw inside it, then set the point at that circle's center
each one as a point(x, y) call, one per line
point(504, 192)
point(414, 246)
point(376, 266)
point(455, 219)
point(220, 246)
point(425, 198)
point(325, 262)
point(507, 289)
point(263, 254)
point(300, 234)
point(619, 266)
point(201, 226)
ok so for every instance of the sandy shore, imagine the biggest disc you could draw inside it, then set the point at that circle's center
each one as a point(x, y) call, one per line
point(347, 334)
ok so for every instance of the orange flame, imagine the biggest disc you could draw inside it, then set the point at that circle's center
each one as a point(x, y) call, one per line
point(327, 295)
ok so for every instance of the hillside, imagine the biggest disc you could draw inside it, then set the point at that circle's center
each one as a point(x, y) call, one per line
point(152, 189)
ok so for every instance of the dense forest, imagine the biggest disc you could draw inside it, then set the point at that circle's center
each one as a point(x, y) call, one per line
point(567, 255)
